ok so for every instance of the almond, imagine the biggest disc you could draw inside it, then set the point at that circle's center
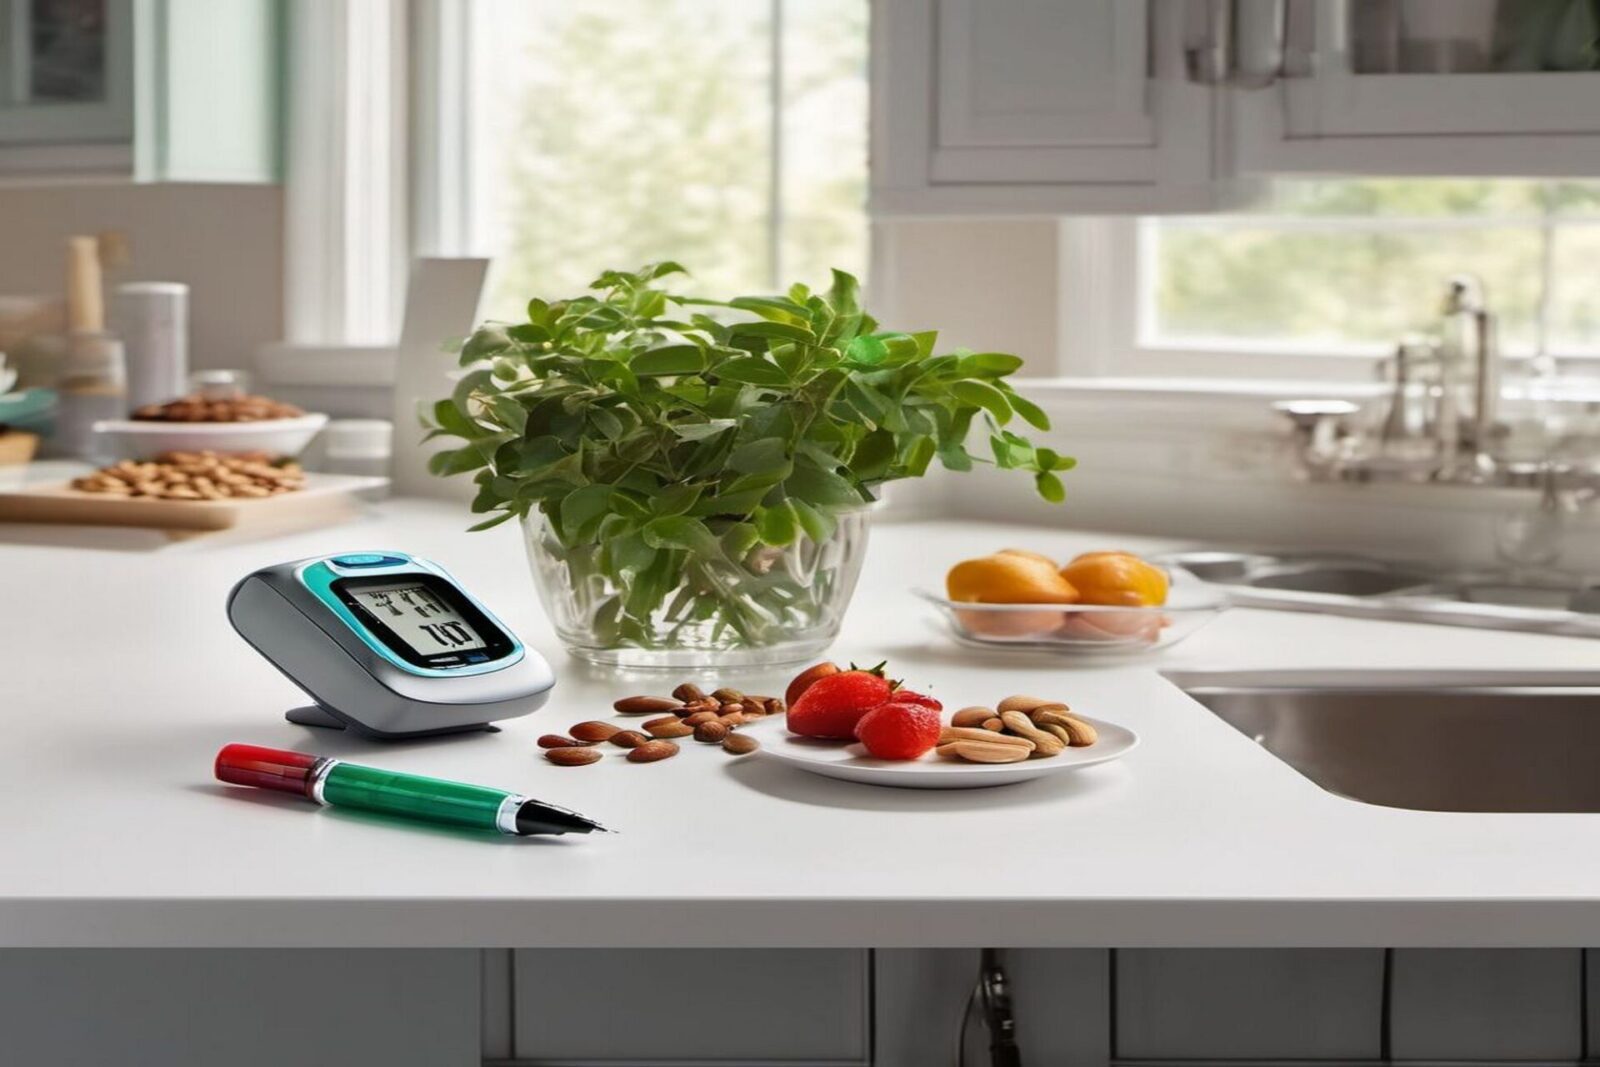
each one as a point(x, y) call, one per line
point(728, 696)
point(731, 707)
point(983, 752)
point(733, 719)
point(776, 706)
point(559, 741)
point(645, 705)
point(1023, 703)
point(674, 729)
point(952, 734)
point(1059, 731)
point(628, 739)
point(689, 693)
point(593, 730)
point(572, 757)
point(740, 744)
point(993, 725)
point(711, 732)
point(1044, 744)
point(1047, 709)
point(1080, 733)
point(651, 751)
point(665, 720)
point(699, 717)
point(976, 715)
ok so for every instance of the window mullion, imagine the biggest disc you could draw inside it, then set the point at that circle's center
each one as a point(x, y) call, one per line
point(775, 94)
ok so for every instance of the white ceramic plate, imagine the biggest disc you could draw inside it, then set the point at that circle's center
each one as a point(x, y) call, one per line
point(850, 762)
point(139, 438)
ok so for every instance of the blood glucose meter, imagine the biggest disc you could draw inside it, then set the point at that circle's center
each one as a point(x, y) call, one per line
point(387, 644)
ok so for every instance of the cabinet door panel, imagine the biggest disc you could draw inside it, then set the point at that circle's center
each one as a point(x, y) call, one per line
point(239, 1007)
point(1335, 112)
point(691, 1005)
point(1487, 1004)
point(1019, 107)
point(1249, 1004)
point(1031, 78)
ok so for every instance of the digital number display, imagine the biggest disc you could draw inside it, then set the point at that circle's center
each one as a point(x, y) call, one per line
point(417, 616)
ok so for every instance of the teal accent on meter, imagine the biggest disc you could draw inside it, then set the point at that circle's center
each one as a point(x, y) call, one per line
point(387, 644)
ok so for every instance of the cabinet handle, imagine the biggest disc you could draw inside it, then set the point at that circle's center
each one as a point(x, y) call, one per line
point(1243, 44)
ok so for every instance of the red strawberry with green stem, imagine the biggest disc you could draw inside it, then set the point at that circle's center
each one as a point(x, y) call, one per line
point(899, 731)
point(831, 706)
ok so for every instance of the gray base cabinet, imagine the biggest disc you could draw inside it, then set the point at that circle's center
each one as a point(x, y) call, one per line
point(790, 1007)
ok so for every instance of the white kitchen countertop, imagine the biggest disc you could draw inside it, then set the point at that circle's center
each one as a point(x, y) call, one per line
point(120, 678)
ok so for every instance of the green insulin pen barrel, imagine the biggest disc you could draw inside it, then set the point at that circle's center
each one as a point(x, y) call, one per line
point(331, 781)
point(414, 796)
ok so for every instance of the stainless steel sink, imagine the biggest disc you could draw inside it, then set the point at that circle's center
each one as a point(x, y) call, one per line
point(1340, 584)
point(1479, 748)
point(1339, 579)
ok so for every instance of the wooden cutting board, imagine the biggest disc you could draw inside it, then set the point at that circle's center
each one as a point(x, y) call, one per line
point(60, 503)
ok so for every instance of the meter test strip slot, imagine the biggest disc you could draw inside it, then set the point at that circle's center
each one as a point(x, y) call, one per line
point(387, 645)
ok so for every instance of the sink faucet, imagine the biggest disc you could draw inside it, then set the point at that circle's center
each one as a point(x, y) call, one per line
point(1442, 422)
point(1469, 346)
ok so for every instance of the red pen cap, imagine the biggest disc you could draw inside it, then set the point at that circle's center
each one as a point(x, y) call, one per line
point(266, 768)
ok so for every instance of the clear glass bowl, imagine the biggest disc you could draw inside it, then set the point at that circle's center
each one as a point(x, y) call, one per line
point(1085, 629)
point(771, 607)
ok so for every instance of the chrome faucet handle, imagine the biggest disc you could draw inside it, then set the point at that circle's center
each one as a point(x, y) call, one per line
point(1319, 426)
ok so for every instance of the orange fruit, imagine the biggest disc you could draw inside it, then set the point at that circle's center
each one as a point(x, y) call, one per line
point(1009, 578)
point(1119, 578)
point(1025, 554)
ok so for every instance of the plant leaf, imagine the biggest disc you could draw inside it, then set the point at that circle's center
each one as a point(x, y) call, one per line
point(752, 370)
point(985, 396)
point(669, 359)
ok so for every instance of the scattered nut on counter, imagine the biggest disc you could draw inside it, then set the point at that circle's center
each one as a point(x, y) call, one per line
point(1019, 728)
point(195, 476)
point(710, 718)
point(197, 408)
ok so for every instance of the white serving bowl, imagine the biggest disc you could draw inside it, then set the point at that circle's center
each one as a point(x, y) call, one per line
point(142, 439)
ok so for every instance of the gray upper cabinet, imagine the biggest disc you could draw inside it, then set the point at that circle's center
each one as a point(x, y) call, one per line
point(155, 90)
point(1032, 107)
point(1395, 87)
point(1038, 106)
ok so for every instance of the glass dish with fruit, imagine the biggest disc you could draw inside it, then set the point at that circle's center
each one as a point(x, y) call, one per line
point(1098, 603)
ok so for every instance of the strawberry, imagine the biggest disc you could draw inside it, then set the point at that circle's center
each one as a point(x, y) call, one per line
point(803, 680)
point(831, 705)
point(906, 696)
point(899, 731)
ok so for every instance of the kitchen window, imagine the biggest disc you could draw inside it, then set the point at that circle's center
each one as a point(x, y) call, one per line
point(1324, 276)
point(729, 135)
point(561, 138)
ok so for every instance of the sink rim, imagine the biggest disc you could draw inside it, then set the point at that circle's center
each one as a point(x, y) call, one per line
point(1445, 759)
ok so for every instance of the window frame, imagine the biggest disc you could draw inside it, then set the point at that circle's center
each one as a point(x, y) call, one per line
point(1103, 285)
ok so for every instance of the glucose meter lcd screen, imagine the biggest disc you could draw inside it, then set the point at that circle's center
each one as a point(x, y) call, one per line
point(420, 617)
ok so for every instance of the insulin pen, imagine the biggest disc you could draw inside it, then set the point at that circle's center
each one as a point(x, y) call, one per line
point(348, 785)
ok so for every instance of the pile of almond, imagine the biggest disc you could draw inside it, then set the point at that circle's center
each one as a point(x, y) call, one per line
point(691, 712)
point(198, 408)
point(1020, 728)
point(195, 476)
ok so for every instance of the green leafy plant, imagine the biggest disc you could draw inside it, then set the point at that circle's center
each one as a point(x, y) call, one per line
point(672, 451)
